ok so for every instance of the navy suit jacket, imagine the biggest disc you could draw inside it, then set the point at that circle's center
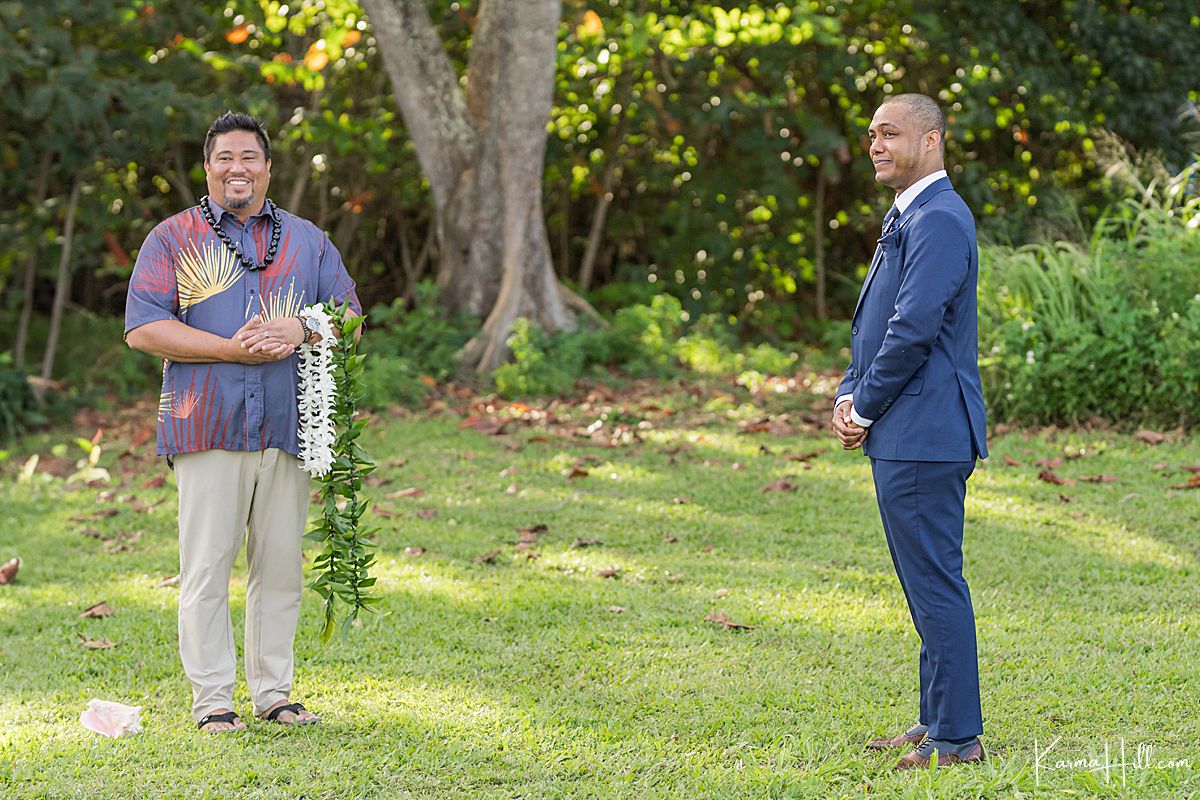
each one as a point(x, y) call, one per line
point(914, 338)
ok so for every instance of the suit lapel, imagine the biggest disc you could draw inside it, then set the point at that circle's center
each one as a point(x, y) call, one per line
point(940, 185)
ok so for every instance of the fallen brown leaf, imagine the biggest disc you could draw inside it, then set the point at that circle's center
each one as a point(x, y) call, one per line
point(523, 545)
point(1049, 463)
point(1192, 483)
point(536, 528)
point(721, 593)
point(609, 572)
point(173, 580)
point(780, 485)
point(616, 609)
point(96, 611)
point(1099, 479)
point(485, 425)
point(416, 551)
point(1012, 462)
point(385, 513)
point(427, 513)
point(528, 538)
point(1150, 437)
point(1050, 477)
point(8, 572)
point(679, 501)
point(101, 514)
point(719, 618)
point(1062, 498)
point(577, 472)
point(487, 558)
point(154, 483)
point(670, 538)
point(578, 543)
point(95, 644)
point(512, 489)
point(411, 491)
point(809, 456)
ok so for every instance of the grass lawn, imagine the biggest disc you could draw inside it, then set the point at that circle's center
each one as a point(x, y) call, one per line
point(536, 676)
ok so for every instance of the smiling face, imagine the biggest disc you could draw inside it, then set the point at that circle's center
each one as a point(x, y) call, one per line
point(901, 151)
point(238, 173)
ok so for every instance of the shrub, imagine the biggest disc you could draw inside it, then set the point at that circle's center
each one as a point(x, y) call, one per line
point(1108, 329)
point(19, 409)
point(541, 364)
point(405, 344)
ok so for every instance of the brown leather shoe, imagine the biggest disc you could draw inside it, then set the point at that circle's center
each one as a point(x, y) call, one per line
point(898, 741)
point(917, 760)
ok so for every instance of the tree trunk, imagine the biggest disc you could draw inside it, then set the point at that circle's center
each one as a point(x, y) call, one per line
point(596, 234)
point(482, 151)
point(819, 244)
point(41, 189)
point(63, 286)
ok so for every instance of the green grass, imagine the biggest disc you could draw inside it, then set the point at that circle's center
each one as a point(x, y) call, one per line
point(516, 679)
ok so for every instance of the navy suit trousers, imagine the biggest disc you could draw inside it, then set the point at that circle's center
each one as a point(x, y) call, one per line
point(921, 503)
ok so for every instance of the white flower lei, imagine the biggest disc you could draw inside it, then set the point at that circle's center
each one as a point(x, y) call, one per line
point(317, 391)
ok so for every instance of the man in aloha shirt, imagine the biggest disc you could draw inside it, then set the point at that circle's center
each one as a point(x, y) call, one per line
point(222, 311)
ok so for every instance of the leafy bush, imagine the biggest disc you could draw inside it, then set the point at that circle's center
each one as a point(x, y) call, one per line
point(644, 341)
point(541, 364)
point(403, 345)
point(1069, 332)
point(19, 409)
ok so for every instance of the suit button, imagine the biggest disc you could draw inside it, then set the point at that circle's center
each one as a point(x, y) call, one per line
point(854, 372)
point(854, 331)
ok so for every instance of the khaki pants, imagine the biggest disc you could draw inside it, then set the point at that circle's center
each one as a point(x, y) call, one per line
point(225, 496)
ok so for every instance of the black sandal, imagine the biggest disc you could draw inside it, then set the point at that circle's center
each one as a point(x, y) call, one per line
point(229, 716)
point(294, 708)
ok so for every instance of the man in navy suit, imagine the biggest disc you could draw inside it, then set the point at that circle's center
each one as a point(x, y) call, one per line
point(912, 400)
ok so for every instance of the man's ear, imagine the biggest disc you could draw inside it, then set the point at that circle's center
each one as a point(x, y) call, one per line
point(933, 140)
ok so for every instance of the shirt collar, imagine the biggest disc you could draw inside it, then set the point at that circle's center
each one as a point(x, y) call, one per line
point(905, 198)
point(268, 209)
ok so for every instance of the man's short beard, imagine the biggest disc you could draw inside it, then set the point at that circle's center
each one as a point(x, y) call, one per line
point(237, 204)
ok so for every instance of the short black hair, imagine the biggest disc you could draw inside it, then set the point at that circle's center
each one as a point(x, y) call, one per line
point(236, 121)
point(925, 110)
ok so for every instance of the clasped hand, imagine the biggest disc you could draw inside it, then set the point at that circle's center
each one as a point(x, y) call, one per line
point(849, 432)
point(263, 341)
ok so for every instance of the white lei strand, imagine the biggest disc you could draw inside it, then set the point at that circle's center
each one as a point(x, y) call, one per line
point(317, 391)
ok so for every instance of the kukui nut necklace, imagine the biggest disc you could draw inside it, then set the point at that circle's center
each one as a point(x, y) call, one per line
point(236, 249)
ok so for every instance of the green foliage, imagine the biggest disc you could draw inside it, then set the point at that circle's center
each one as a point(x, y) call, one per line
point(643, 341)
point(342, 566)
point(19, 409)
point(1071, 332)
point(408, 346)
point(643, 338)
point(541, 364)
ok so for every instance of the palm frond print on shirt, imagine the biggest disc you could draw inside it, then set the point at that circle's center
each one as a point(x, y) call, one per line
point(196, 420)
point(204, 274)
point(278, 305)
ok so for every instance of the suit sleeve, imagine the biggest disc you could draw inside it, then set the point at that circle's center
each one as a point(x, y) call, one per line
point(935, 268)
point(846, 387)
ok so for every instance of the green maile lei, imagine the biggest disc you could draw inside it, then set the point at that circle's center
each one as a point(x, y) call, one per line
point(331, 372)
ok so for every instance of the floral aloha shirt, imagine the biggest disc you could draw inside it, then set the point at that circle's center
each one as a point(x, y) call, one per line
point(184, 272)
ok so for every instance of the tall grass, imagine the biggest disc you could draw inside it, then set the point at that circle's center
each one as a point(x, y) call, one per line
point(1108, 328)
